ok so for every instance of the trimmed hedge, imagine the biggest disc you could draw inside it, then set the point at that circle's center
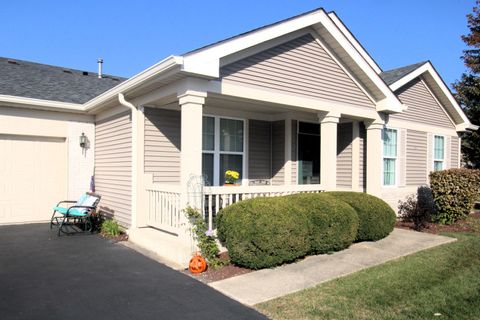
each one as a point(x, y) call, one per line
point(376, 217)
point(334, 223)
point(264, 232)
point(454, 192)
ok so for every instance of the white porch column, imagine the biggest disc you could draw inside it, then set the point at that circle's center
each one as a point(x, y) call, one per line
point(328, 149)
point(191, 104)
point(374, 156)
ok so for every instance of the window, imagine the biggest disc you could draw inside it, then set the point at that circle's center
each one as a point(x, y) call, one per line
point(389, 156)
point(223, 148)
point(438, 152)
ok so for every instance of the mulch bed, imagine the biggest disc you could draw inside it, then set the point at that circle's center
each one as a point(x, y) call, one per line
point(221, 273)
point(459, 226)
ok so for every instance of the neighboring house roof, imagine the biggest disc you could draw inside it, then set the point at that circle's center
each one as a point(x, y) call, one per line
point(398, 78)
point(391, 76)
point(40, 81)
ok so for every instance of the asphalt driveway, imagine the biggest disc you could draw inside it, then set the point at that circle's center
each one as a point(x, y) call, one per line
point(43, 276)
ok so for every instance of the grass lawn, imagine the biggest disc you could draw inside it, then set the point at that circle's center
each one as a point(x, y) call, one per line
point(443, 281)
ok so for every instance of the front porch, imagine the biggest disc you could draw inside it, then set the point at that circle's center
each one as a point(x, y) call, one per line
point(185, 146)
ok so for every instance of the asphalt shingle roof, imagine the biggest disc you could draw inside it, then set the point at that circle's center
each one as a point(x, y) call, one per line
point(40, 81)
point(391, 76)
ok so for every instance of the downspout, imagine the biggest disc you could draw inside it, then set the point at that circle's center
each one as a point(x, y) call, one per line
point(134, 151)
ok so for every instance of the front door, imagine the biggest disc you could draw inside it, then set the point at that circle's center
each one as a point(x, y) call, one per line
point(308, 153)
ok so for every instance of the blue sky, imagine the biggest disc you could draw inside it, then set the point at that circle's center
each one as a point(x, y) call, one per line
point(133, 35)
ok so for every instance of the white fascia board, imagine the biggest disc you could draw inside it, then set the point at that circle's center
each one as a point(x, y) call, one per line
point(428, 68)
point(391, 104)
point(41, 104)
point(465, 127)
point(138, 79)
point(340, 25)
point(207, 61)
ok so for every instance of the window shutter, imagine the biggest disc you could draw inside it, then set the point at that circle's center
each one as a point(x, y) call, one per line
point(429, 155)
point(402, 157)
point(448, 152)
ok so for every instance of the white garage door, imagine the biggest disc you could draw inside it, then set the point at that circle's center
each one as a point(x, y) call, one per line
point(33, 177)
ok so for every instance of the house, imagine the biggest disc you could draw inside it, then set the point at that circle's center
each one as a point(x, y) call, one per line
point(296, 106)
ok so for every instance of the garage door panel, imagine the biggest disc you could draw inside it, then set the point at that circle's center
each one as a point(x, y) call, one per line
point(34, 177)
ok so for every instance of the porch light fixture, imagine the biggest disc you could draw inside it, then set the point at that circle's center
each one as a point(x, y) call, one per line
point(83, 140)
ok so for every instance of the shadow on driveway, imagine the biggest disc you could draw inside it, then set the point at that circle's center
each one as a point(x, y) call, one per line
point(43, 276)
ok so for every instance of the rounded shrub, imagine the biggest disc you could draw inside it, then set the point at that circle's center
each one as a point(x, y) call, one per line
point(333, 223)
point(376, 217)
point(263, 232)
point(454, 193)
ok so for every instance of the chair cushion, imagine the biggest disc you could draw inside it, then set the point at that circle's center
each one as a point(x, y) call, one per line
point(75, 212)
point(81, 200)
point(89, 201)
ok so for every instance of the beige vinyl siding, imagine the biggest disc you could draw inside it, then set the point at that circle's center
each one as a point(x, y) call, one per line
point(259, 151)
point(344, 155)
point(363, 156)
point(416, 171)
point(278, 152)
point(300, 67)
point(422, 106)
point(162, 145)
point(113, 166)
point(454, 145)
point(294, 152)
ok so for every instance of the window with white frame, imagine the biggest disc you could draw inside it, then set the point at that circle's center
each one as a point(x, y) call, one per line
point(438, 153)
point(389, 156)
point(223, 148)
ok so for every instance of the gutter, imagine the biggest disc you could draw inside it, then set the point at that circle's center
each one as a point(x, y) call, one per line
point(134, 156)
point(165, 65)
point(32, 103)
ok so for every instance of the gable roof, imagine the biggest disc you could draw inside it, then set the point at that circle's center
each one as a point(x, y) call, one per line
point(40, 81)
point(393, 75)
point(398, 78)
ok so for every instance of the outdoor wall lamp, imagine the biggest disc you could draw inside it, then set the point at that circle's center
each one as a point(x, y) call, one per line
point(83, 140)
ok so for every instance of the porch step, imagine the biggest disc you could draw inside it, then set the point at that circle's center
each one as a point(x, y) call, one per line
point(161, 246)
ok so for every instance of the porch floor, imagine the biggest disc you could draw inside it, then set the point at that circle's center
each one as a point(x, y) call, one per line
point(267, 284)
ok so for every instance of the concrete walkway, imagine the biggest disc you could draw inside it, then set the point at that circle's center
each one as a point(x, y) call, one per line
point(263, 285)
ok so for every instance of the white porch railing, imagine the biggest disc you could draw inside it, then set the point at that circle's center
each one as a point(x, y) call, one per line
point(164, 209)
point(164, 201)
point(217, 198)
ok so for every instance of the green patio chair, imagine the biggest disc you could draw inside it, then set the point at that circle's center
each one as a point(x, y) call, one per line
point(77, 217)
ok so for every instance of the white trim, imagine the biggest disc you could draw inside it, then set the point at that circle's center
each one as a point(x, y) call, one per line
point(347, 72)
point(291, 100)
point(217, 152)
point(163, 66)
point(453, 104)
point(340, 25)
point(395, 185)
point(444, 162)
point(41, 104)
point(134, 153)
point(206, 61)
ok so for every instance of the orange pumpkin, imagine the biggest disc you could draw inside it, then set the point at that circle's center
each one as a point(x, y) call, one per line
point(197, 264)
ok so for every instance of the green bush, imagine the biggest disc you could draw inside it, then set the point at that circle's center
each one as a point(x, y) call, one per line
point(454, 192)
point(110, 228)
point(264, 232)
point(376, 217)
point(333, 223)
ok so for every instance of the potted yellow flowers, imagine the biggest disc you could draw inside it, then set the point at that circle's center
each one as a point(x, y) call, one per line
point(231, 177)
